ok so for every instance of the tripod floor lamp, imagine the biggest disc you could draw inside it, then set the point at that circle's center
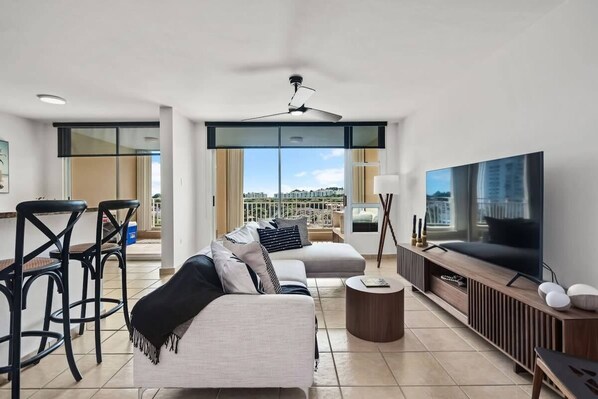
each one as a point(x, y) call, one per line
point(386, 186)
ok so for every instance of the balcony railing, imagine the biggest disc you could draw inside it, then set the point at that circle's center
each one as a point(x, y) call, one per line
point(501, 210)
point(318, 212)
point(440, 212)
point(156, 213)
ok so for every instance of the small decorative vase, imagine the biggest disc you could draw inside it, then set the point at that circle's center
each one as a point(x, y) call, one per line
point(424, 240)
point(420, 243)
point(413, 239)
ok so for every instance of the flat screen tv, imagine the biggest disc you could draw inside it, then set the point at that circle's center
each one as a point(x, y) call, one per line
point(490, 210)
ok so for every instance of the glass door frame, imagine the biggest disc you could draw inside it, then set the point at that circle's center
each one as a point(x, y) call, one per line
point(349, 235)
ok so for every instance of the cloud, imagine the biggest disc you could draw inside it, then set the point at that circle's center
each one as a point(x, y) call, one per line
point(156, 186)
point(301, 174)
point(334, 153)
point(329, 177)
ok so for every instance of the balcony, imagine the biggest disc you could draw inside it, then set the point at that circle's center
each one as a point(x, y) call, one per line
point(318, 211)
point(440, 210)
point(156, 213)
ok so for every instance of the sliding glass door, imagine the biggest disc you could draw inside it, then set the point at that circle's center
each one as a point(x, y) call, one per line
point(256, 184)
point(268, 171)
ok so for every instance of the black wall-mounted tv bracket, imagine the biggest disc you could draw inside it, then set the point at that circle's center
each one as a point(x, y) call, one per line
point(435, 246)
point(530, 278)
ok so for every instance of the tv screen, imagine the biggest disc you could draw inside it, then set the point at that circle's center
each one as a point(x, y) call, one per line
point(490, 210)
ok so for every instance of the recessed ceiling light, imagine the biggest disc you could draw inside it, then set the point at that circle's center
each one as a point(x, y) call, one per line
point(296, 112)
point(151, 139)
point(296, 139)
point(50, 99)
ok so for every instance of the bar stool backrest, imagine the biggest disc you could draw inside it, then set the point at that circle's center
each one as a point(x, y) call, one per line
point(120, 228)
point(28, 211)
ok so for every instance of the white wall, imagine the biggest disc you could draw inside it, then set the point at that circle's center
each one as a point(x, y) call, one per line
point(25, 182)
point(536, 94)
point(35, 171)
point(182, 179)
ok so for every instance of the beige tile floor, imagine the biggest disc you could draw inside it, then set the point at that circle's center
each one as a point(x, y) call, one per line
point(438, 358)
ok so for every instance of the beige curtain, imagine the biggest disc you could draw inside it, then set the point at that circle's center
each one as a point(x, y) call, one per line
point(234, 189)
point(144, 193)
point(359, 189)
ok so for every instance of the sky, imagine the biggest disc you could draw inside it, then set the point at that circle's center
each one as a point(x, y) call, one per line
point(438, 180)
point(302, 168)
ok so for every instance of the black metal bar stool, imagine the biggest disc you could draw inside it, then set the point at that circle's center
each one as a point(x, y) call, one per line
point(93, 257)
point(18, 274)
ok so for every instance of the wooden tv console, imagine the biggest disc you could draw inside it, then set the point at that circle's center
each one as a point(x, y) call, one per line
point(514, 319)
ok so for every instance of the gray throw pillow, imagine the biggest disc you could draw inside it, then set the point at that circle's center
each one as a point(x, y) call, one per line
point(234, 275)
point(257, 258)
point(301, 224)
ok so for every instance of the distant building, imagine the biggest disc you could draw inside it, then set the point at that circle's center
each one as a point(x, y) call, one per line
point(304, 194)
point(253, 195)
point(502, 180)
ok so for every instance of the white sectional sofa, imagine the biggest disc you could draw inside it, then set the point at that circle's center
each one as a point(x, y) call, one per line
point(327, 259)
point(242, 341)
point(321, 259)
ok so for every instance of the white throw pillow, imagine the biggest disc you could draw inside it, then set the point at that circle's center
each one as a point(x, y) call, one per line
point(266, 224)
point(241, 235)
point(255, 256)
point(252, 227)
point(233, 273)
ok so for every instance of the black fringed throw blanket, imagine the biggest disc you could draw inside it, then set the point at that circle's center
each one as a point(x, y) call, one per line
point(301, 290)
point(163, 316)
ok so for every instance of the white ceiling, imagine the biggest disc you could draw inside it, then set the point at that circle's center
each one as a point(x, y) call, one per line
point(229, 60)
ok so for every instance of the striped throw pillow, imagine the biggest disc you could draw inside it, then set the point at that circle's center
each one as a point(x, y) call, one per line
point(275, 240)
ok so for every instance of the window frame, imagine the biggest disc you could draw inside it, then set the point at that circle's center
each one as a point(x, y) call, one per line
point(348, 132)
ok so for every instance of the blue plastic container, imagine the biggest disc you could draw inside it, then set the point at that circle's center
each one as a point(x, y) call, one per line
point(132, 233)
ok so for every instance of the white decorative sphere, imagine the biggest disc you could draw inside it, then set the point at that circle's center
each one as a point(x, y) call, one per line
point(583, 296)
point(545, 288)
point(558, 300)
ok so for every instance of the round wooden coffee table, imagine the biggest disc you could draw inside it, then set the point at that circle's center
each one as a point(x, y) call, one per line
point(375, 314)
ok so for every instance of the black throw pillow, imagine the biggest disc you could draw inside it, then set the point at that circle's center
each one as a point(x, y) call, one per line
point(520, 233)
point(282, 239)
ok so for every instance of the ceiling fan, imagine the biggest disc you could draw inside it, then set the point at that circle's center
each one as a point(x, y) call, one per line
point(297, 104)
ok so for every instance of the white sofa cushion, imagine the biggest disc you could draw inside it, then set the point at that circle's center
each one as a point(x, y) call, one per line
point(325, 260)
point(290, 270)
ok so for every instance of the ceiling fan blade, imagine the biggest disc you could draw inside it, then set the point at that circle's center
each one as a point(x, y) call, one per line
point(265, 117)
point(301, 96)
point(324, 115)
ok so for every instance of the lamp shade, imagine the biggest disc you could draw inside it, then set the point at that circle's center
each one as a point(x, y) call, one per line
point(386, 184)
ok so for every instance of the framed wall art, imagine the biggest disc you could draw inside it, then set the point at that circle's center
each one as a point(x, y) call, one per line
point(4, 164)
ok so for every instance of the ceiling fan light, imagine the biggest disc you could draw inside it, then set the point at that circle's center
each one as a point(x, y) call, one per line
point(51, 99)
point(296, 112)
